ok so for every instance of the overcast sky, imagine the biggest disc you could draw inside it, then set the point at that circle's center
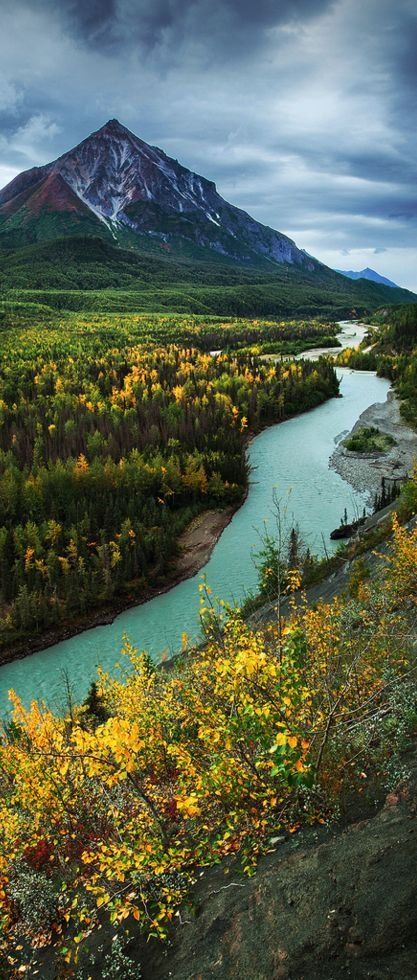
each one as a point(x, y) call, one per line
point(302, 111)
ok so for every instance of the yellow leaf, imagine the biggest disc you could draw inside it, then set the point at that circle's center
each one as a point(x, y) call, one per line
point(281, 739)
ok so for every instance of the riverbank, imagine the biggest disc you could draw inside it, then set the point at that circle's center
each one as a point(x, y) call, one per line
point(195, 545)
point(352, 334)
point(289, 459)
point(364, 471)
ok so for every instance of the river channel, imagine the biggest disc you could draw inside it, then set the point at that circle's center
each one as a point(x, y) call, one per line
point(289, 461)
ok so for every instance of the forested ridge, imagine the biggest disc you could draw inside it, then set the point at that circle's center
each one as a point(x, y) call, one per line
point(87, 273)
point(126, 329)
point(108, 447)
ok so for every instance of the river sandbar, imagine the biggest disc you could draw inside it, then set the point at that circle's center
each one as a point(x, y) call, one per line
point(364, 471)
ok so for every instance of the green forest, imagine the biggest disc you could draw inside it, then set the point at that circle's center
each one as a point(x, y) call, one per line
point(89, 274)
point(393, 354)
point(110, 443)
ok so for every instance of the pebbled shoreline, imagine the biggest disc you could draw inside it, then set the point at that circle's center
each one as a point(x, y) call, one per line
point(364, 471)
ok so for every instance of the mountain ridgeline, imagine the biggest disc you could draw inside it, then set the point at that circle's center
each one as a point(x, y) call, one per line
point(115, 212)
point(369, 274)
point(116, 186)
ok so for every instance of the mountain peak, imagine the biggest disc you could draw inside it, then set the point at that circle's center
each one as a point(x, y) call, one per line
point(135, 191)
point(369, 274)
point(113, 126)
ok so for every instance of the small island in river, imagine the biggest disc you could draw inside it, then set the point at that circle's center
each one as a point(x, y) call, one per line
point(365, 470)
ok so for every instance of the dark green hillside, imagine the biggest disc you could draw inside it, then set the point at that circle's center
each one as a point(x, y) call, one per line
point(401, 327)
point(393, 354)
point(88, 273)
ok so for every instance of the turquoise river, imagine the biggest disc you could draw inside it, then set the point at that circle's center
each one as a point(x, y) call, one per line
point(290, 461)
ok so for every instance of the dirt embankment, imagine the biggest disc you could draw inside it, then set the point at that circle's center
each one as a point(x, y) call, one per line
point(198, 540)
point(364, 471)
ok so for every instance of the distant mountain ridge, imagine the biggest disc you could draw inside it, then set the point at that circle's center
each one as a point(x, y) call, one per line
point(369, 274)
point(115, 185)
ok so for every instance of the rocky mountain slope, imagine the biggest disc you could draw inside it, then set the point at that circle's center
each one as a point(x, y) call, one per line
point(115, 185)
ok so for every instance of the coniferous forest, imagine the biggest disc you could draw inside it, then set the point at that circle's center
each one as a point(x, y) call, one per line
point(110, 444)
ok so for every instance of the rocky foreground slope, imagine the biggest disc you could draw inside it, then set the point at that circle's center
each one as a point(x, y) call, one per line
point(325, 904)
point(321, 907)
point(332, 900)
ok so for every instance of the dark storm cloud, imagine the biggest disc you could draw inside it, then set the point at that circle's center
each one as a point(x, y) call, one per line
point(93, 21)
point(213, 24)
point(302, 111)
